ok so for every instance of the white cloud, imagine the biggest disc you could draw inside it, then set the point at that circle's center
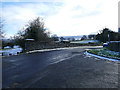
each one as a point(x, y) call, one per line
point(91, 16)
point(76, 17)
point(18, 15)
point(32, 0)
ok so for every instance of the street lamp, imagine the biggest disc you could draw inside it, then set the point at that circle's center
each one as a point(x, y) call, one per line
point(26, 42)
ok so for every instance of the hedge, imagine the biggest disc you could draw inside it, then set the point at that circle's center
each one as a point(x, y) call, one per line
point(114, 46)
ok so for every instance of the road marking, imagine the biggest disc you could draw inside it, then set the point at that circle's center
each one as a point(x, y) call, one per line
point(64, 59)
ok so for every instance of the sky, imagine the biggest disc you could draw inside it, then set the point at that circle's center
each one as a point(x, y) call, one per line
point(61, 17)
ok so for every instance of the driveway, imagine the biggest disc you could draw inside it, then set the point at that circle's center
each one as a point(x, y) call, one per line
point(68, 68)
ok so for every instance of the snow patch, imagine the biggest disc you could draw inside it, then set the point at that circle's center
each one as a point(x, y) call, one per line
point(89, 54)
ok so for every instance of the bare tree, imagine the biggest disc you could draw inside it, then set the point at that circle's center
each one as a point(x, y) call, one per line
point(62, 38)
point(2, 34)
point(55, 37)
point(91, 36)
point(84, 37)
point(36, 30)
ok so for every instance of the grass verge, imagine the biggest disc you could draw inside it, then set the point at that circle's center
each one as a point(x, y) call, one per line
point(105, 52)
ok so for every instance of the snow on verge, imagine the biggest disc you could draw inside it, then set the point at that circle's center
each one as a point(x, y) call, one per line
point(101, 57)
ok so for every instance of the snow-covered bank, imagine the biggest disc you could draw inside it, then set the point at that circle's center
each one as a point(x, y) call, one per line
point(45, 50)
point(105, 52)
point(101, 57)
point(9, 52)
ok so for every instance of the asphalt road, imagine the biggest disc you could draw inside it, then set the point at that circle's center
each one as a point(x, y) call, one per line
point(69, 68)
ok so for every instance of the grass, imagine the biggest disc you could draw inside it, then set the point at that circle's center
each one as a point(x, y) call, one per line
point(6, 49)
point(83, 41)
point(93, 51)
point(105, 52)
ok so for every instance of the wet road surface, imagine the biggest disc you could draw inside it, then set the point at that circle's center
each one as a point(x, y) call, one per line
point(23, 67)
point(63, 68)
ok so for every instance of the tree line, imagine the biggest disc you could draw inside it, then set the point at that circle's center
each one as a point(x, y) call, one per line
point(35, 29)
point(107, 35)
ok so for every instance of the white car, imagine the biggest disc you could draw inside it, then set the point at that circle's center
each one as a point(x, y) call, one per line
point(105, 44)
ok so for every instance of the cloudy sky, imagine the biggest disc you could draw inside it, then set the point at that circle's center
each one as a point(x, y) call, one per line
point(61, 17)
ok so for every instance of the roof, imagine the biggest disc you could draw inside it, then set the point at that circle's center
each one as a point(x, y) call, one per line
point(29, 39)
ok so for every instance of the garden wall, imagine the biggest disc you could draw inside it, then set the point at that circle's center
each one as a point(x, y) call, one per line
point(31, 45)
point(114, 45)
point(45, 45)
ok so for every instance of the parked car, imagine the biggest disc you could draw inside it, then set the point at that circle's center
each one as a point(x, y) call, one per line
point(105, 44)
point(7, 47)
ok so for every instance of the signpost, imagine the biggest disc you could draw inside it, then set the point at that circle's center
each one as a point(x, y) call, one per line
point(108, 37)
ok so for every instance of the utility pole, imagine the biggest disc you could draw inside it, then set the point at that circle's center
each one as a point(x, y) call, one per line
point(119, 47)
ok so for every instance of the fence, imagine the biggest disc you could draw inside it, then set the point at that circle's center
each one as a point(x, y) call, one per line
point(114, 46)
